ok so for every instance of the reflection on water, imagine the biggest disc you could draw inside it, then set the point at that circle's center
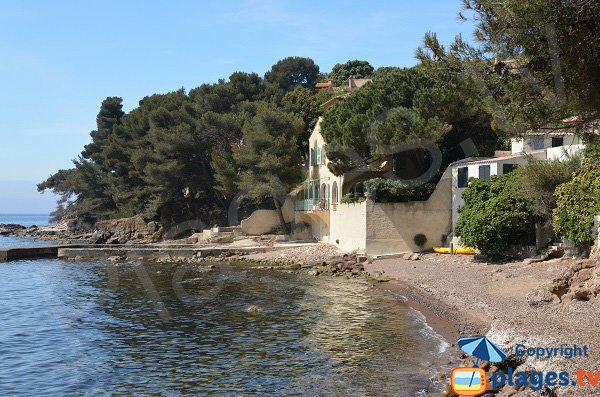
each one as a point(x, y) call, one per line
point(99, 329)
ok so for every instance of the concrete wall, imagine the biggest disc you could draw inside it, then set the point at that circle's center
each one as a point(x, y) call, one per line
point(348, 226)
point(263, 221)
point(391, 227)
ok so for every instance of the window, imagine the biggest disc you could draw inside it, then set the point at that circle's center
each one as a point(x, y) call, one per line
point(558, 141)
point(484, 172)
point(508, 168)
point(334, 193)
point(463, 177)
point(538, 143)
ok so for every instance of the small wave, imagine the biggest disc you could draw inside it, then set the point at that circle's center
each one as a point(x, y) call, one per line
point(429, 333)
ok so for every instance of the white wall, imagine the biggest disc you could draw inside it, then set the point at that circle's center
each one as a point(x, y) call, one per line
point(558, 153)
point(348, 226)
point(525, 144)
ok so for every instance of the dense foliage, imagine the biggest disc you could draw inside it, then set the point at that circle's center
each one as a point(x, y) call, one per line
point(578, 200)
point(538, 61)
point(355, 69)
point(403, 112)
point(540, 178)
point(159, 159)
point(496, 215)
point(384, 190)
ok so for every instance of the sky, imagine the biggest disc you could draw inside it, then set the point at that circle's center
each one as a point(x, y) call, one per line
point(59, 59)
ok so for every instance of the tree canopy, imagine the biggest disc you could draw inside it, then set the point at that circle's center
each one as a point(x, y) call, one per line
point(293, 71)
point(537, 62)
point(355, 69)
point(578, 200)
point(404, 108)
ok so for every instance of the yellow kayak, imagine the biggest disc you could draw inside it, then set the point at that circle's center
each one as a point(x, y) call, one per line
point(457, 250)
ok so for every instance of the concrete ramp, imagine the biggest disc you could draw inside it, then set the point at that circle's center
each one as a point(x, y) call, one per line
point(13, 254)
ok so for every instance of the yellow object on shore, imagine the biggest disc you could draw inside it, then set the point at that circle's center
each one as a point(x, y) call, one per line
point(457, 250)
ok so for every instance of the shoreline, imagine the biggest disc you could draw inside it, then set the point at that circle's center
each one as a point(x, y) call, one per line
point(537, 304)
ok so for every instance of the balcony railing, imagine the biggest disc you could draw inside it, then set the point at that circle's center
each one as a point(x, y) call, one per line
point(313, 204)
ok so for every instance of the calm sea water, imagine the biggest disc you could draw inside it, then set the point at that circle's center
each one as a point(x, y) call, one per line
point(25, 219)
point(146, 329)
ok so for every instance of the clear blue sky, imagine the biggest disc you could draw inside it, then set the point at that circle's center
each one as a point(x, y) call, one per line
point(60, 59)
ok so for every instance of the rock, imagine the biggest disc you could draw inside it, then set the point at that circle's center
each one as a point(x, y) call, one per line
point(152, 227)
point(194, 238)
point(336, 259)
point(126, 229)
point(313, 272)
point(508, 391)
point(253, 309)
point(447, 392)
point(116, 258)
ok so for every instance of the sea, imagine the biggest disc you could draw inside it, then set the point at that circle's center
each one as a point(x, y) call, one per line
point(134, 328)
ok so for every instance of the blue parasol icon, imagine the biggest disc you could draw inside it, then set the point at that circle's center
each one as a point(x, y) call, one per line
point(482, 348)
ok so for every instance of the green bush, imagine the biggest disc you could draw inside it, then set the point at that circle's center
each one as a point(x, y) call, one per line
point(350, 199)
point(420, 239)
point(496, 215)
point(578, 200)
point(395, 191)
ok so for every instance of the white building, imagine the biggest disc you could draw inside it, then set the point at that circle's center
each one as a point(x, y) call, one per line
point(362, 224)
point(541, 145)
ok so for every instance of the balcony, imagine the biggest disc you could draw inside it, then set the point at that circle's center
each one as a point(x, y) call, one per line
point(313, 204)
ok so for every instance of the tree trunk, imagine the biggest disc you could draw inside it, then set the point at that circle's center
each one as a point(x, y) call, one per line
point(280, 213)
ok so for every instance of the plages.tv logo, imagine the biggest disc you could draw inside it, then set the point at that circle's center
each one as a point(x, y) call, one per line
point(467, 381)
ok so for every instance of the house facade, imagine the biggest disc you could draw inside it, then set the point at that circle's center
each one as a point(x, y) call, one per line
point(360, 223)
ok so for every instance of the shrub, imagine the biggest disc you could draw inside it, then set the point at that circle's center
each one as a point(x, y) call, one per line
point(540, 178)
point(578, 200)
point(496, 215)
point(395, 191)
point(420, 239)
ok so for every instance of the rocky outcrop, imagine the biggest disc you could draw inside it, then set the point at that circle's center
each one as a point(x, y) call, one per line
point(581, 281)
point(126, 230)
point(67, 229)
point(10, 229)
